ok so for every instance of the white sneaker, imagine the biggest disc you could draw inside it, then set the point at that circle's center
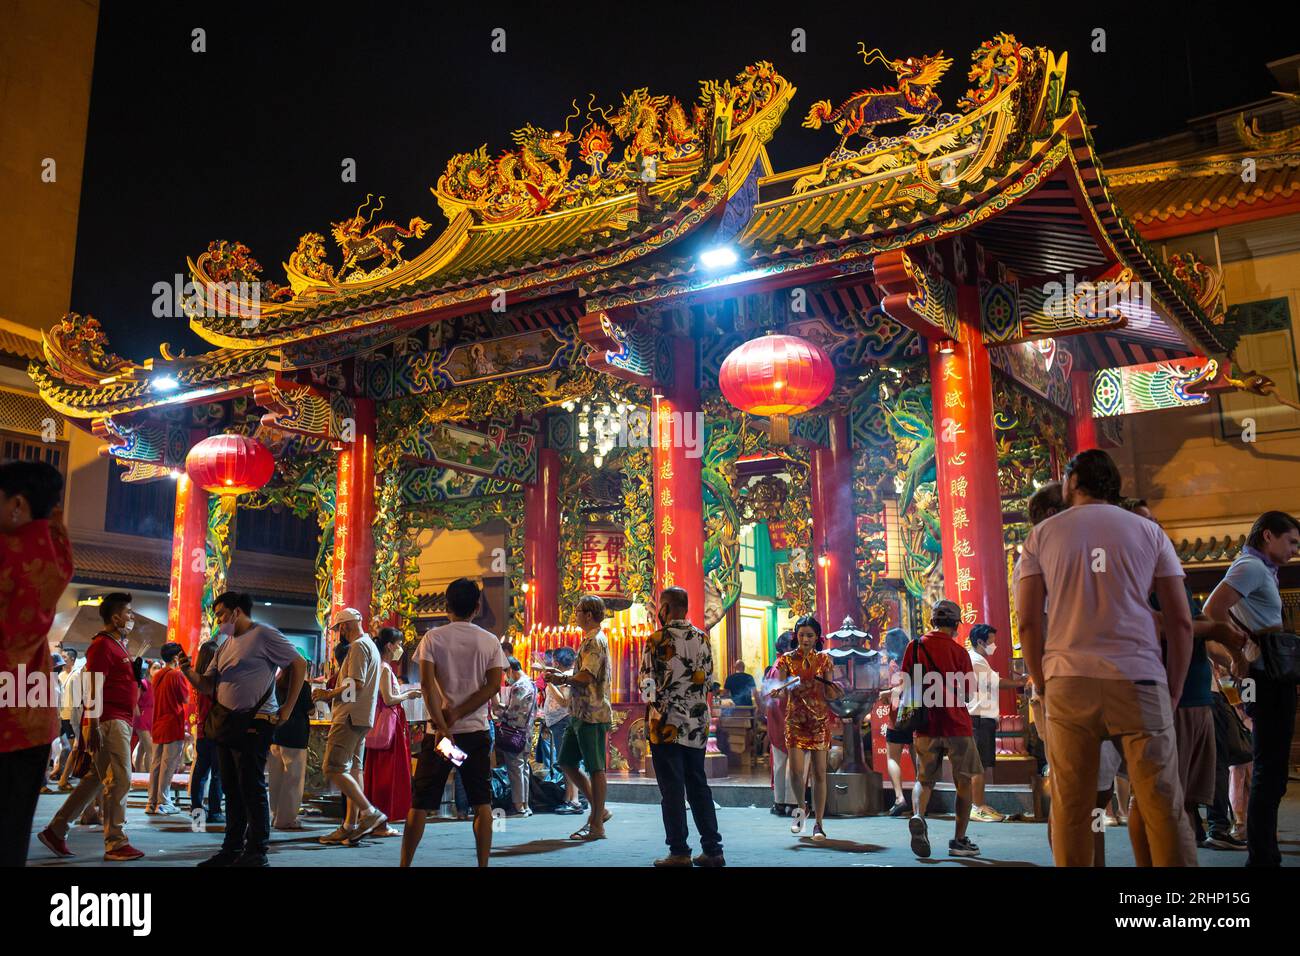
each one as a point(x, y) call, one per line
point(375, 818)
point(341, 835)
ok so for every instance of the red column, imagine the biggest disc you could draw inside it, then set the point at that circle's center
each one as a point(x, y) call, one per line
point(189, 565)
point(679, 494)
point(542, 543)
point(354, 516)
point(1083, 427)
point(833, 527)
point(966, 461)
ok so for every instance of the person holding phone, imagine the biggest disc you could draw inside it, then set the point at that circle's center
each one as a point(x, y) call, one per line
point(807, 721)
point(241, 677)
point(460, 673)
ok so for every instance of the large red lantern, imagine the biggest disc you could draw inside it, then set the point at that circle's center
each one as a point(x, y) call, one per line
point(229, 464)
point(777, 376)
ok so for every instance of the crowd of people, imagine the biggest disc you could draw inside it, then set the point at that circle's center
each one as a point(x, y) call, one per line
point(1143, 706)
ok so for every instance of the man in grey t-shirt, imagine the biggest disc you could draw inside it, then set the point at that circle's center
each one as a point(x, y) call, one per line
point(353, 698)
point(1249, 597)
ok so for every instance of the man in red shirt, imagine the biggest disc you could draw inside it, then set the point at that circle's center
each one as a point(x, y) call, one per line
point(35, 567)
point(939, 671)
point(171, 692)
point(111, 705)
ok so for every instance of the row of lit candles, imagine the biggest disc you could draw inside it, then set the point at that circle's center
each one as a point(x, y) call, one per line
point(625, 646)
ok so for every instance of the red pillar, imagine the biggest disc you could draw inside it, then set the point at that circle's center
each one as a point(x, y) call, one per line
point(833, 527)
point(189, 566)
point(542, 543)
point(679, 493)
point(1083, 427)
point(354, 516)
point(970, 503)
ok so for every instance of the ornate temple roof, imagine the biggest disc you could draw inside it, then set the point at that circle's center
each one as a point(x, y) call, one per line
point(1015, 170)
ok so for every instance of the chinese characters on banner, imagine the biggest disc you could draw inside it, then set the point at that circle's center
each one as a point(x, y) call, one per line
point(342, 513)
point(602, 564)
point(956, 461)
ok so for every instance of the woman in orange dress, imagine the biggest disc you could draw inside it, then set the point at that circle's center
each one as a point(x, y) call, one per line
point(808, 718)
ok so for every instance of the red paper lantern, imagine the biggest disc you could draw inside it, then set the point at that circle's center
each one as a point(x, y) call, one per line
point(229, 464)
point(777, 376)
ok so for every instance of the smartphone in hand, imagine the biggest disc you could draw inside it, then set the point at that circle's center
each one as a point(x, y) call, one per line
point(451, 751)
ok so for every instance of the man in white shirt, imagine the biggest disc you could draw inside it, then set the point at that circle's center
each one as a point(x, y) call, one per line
point(353, 700)
point(1100, 669)
point(460, 673)
point(983, 706)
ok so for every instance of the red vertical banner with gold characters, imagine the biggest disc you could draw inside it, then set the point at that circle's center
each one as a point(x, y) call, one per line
point(678, 489)
point(354, 518)
point(966, 469)
point(188, 565)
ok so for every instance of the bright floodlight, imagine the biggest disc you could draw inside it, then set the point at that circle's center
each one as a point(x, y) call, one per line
point(165, 383)
point(718, 257)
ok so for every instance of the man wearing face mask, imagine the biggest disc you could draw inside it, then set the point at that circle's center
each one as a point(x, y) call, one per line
point(983, 707)
point(112, 699)
point(241, 677)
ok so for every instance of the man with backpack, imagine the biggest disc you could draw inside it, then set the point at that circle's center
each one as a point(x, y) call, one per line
point(936, 707)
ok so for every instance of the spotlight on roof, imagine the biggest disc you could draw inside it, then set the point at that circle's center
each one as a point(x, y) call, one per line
point(719, 257)
point(947, 347)
point(165, 383)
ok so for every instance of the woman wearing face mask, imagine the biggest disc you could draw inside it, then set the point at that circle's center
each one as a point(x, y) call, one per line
point(387, 771)
point(807, 719)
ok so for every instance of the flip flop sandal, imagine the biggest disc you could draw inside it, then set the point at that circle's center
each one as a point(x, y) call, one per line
point(585, 833)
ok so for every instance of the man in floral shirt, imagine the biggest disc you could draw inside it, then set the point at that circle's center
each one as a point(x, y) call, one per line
point(676, 671)
point(35, 567)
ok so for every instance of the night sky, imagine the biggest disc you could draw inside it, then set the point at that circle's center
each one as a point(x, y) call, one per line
point(245, 141)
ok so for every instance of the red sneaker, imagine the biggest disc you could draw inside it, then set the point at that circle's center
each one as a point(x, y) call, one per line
point(125, 852)
point(55, 844)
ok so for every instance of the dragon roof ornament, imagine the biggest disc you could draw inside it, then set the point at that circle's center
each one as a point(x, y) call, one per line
point(1013, 88)
point(658, 136)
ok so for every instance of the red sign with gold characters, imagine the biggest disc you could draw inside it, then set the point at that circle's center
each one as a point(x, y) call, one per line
point(603, 563)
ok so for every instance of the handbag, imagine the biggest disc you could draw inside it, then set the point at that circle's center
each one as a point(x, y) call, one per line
point(512, 740)
point(914, 717)
point(381, 735)
point(232, 727)
point(1230, 732)
point(80, 762)
point(1279, 654)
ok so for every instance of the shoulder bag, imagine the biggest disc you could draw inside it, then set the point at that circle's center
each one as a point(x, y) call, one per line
point(913, 715)
point(232, 727)
point(1279, 653)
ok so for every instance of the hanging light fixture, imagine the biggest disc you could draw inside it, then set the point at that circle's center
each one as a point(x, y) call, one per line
point(777, 376)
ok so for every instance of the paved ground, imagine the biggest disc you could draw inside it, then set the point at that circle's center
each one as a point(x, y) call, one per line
point(752, 837)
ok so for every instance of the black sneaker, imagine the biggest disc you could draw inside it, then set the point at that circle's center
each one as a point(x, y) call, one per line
point(1223, 841)
point(962, 847)
point(251, 860)
point(224, 858)
point(898, 810)
point(920, 837)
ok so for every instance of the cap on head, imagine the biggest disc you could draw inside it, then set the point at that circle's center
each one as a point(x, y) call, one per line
point(945, 614)
point(345, 614)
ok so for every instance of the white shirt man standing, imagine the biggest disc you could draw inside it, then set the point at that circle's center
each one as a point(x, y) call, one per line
point(460, 673)
point(1092, 567)
point(354, 699)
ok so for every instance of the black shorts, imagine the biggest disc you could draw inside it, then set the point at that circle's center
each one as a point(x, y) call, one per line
point(432, 770)
point(986, 729)
point(903, 737)
point(65, 729)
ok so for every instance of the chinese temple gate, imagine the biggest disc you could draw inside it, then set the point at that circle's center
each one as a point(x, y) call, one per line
point(551, 358)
